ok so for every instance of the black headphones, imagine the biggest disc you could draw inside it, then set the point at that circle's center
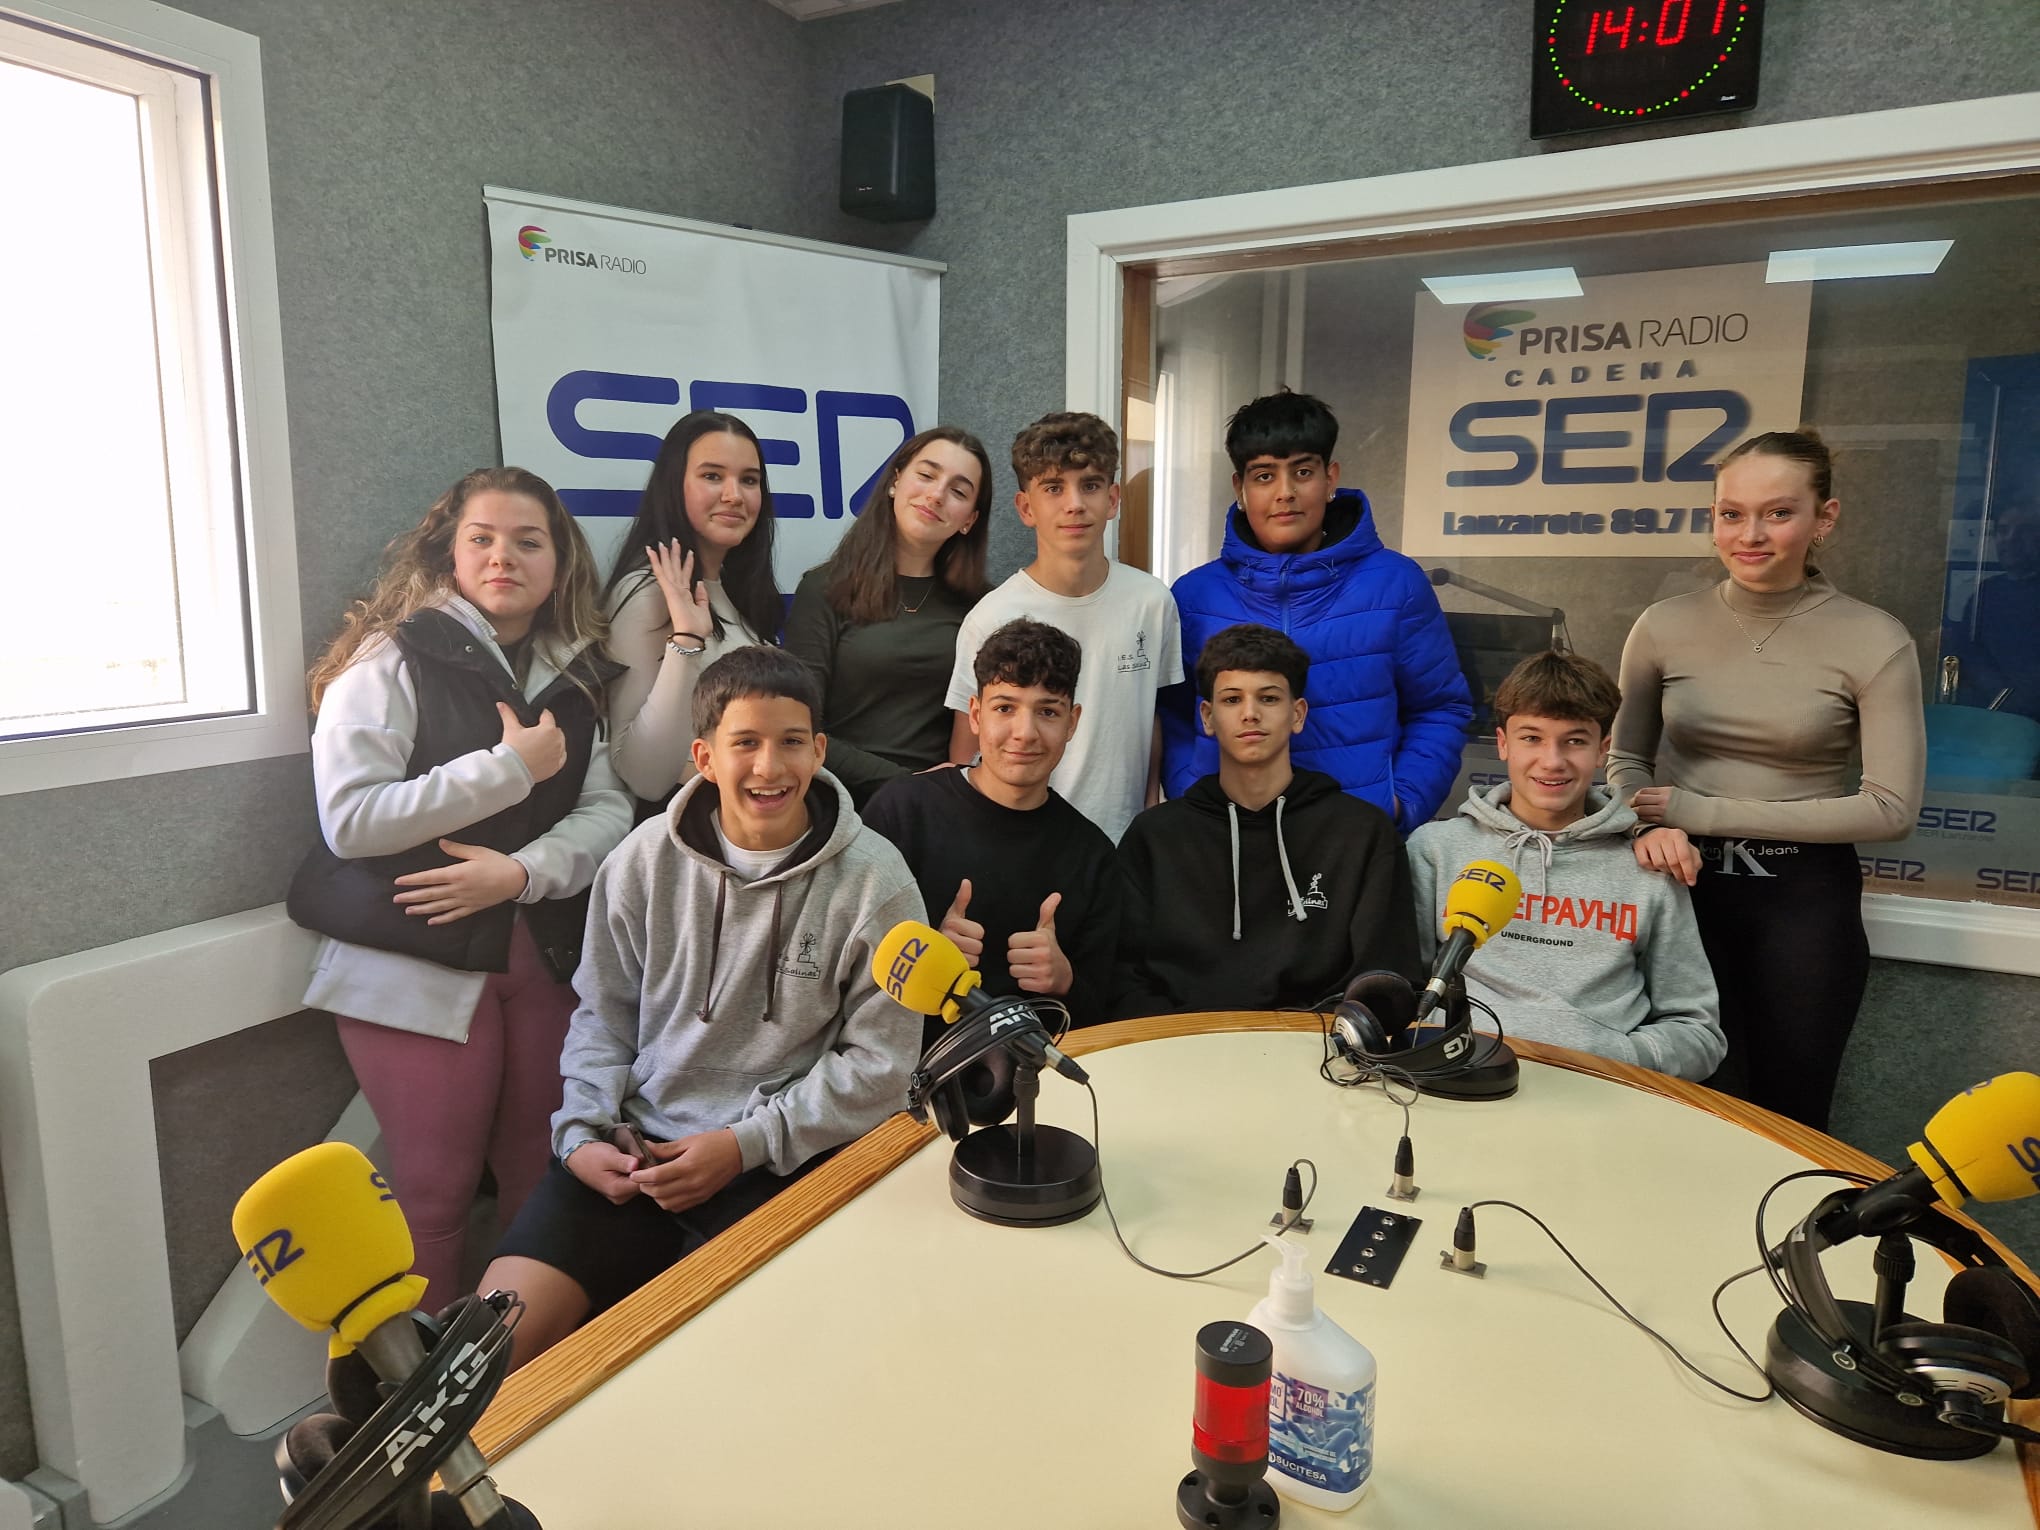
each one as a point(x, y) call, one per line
point(966, 1078)
point(368, 1465)
point(1925, 1389)
point(1373, 1028)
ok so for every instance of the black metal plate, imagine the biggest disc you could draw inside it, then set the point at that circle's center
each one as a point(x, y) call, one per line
point(1373, 1248)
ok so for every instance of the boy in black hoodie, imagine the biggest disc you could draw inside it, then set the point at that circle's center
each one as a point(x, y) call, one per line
point(1262, 886)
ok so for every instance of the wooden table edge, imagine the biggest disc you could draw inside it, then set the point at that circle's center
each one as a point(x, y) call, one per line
point(561, 1377)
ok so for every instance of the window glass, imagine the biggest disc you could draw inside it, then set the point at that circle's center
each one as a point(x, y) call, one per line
point(96, 631)
point(1553, 471)
point(119, 467)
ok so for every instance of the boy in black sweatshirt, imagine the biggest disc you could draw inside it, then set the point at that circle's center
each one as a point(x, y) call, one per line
point(1263, 886)
point(1016, 876)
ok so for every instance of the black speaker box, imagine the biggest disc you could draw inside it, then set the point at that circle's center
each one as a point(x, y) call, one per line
point(888, 154)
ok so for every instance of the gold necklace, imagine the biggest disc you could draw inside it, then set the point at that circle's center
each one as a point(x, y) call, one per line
point(913, 609)
point(1757, 644)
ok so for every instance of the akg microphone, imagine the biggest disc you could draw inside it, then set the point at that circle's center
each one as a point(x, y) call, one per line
point(1481, 899)
point(923, 969)
point(1983, 1145)
point(325, 1236)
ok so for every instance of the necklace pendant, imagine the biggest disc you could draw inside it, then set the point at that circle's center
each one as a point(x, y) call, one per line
point(1756, 648)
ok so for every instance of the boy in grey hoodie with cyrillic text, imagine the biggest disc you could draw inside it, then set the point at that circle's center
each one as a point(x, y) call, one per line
point(728, 1016)
point(1602, 956)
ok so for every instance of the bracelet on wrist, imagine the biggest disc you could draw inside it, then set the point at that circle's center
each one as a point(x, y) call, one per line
point(700, 644)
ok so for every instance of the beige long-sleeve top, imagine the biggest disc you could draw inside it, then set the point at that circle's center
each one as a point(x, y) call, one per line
point(1762, 743)
point(651, 705)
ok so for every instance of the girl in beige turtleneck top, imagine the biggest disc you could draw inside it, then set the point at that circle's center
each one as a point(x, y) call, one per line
point(1743, 707)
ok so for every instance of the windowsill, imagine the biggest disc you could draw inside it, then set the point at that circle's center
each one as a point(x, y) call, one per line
point(1983, 936)
point(78, 759)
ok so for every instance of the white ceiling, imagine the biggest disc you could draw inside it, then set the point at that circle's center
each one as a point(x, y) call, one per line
point(809, 10)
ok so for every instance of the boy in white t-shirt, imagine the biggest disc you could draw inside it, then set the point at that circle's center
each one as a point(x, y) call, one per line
point(1067, 466)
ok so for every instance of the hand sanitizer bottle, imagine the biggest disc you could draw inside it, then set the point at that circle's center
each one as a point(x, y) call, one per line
point(1321, 1399)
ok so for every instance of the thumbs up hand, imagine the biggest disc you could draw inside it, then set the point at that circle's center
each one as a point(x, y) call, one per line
point(1035, 957)
point(542, 747)
point(968, 934)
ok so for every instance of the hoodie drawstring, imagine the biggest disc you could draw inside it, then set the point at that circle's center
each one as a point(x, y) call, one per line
point(772, 954)
point(1233, 816)
point(1282, 855)
point(1526, 835)
point(722, 887)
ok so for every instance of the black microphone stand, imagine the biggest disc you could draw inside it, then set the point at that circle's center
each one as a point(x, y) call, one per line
point(1821, 1379)
point(1024, 1175)
point(1894, 1266)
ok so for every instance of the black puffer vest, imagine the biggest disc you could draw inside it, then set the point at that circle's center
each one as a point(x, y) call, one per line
point(459, 681)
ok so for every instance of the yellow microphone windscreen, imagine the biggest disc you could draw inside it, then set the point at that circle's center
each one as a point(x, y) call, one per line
point(329, 1243)
point(1985, 1143)
point(922, 968)
point(1481, 899)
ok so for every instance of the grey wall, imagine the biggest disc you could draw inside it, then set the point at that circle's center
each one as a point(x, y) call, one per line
point(386, 118)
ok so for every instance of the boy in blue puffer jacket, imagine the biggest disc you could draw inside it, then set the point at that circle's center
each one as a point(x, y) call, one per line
point(1389, 706)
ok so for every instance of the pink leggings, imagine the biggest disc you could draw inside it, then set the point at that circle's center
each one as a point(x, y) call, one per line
point(446, 1107)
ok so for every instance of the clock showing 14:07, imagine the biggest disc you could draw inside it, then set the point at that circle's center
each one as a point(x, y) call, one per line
point(1596, 65)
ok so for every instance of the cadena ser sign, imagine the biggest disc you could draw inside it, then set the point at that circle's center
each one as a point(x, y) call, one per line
point(611, 324)
point(1587, 426)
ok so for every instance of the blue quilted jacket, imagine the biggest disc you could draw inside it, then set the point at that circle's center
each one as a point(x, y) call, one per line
point(1388, 705)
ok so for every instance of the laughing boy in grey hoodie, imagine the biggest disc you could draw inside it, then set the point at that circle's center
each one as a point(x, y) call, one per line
point(727, 1013)
point(1602, 955)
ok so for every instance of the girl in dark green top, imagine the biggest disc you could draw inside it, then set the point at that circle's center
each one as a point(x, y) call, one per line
point(877, 623)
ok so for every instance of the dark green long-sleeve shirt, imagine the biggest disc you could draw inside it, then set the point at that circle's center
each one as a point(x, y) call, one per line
point(883, 683)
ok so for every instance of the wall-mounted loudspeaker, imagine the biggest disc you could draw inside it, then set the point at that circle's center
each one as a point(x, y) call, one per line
point(888, 154)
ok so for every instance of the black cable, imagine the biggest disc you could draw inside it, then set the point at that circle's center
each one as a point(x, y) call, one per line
point(1365, 1073)
point(1288, 1221)
point(1483, 1007)
point(1770, 1266)
point(1669, 1347)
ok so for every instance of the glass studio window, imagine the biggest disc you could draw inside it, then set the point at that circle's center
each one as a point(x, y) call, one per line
point(134, 619)
point(1534, 421)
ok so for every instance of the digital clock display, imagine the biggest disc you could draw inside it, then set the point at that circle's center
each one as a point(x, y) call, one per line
point(1603, 66)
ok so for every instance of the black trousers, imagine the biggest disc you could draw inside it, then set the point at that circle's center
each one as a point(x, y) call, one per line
point(609, 1249)
point(1782, 924)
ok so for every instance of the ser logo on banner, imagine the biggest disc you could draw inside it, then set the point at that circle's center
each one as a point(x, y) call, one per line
point(758, 403)
point(610, 324)
point(1590, 425)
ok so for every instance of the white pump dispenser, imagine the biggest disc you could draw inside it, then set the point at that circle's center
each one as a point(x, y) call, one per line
point(1321, 1399)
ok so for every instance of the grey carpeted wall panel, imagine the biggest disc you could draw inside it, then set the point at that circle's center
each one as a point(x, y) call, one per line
point(226, 1112)
point(1924, 1034)
point(385, 120)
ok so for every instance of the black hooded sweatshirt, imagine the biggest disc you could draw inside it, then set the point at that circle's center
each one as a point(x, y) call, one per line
point(1228, 909)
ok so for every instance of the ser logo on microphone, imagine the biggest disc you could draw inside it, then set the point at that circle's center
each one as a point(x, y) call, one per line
point(2027, 1156)
point(903, 967)
point(273, 1253)
point(1486, 875)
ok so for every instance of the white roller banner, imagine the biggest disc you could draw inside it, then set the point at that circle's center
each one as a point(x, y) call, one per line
point(609, 325)
point(1587, 426)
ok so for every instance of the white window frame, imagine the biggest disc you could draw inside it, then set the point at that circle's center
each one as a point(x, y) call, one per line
point(224, 412)
point(1999, 135)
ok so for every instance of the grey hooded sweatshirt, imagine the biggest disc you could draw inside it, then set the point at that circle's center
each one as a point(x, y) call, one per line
point(1602, 955)
point(709, 1001)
